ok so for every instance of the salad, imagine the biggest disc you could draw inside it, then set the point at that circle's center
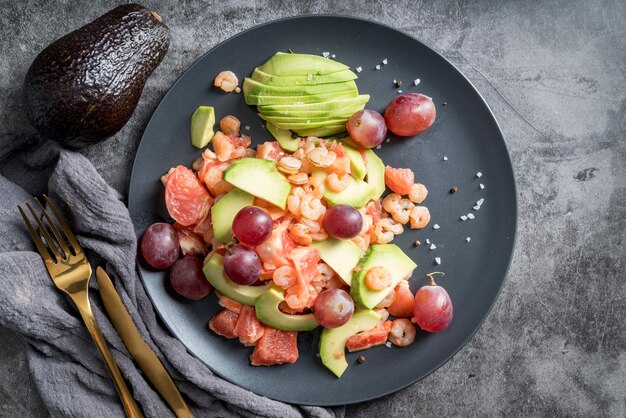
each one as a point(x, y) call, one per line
point(297, 233)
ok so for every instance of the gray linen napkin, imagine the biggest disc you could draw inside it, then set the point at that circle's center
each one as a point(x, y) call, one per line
point(64, 363)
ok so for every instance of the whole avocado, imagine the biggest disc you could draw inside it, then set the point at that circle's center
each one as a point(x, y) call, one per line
point(85, 86)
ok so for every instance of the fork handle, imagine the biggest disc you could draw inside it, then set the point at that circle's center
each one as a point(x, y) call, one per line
point(130, 406)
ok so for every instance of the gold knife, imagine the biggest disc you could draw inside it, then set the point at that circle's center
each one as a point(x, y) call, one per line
point(141, 352)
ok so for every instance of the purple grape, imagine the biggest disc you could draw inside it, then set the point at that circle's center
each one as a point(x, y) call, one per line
point(188, 280)
point(252, 225)
point(342, 221)
point(159, 245)
point(367, 128)
point(333, 308)
point(242, 265)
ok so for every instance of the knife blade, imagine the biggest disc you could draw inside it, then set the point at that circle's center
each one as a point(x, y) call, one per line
point(137, 347)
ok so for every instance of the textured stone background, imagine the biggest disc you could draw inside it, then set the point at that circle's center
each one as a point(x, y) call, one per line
point(554, 74)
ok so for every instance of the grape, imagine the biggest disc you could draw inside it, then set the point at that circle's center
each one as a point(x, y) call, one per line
point(433, 308)
point(242, 265)
point(367, 128)
point(159, 245)
point(342, 221)
point(252, 225)
point(333, 308)
point(188, 280)
point(410, 114)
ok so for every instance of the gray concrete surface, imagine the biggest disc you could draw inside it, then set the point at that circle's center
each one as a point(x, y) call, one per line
point(554, 74)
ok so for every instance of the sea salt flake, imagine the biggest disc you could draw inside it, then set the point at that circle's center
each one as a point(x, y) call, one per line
point(416, 81)
point(333, 56)
point(247, 128)
point(482, 186)
point(477, 207)
point(388, 344)
point(385, 61)
point(480, 201)
point(399, 91)
point(325, 54)
point(377, 67)
point(464, 218)
point(479, 174)
point(379, 146)
point(359, 69)
point(438, 260)
point(445, 158)
point(395, 81)
point(427, 241)
point(470, 216)
point(309, 77)
point(468, 239)
point(436, 226)
point(433, 247)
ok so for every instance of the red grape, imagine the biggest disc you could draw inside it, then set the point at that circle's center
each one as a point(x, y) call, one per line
point(433, 307)
point(242, 265)
point(367, 128)
point(188, 280)
point(252, 225)
point(410, 114)
point(333, 308)
point(159, 245)
point(342, 221)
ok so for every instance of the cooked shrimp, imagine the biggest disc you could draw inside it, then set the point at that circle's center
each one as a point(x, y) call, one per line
point(284, 277)
point(230, 125)
point(223, 146)
point(385, 229)
point(378, 278)
point(312, 207)
point(289, 165)
point(338, 183)
point(387, 301)
point(420, 216)
point(384, 314)
point(315, 187)
point(297, 297)
point(362, 241)
point(227, 81)
point(402, 332)
point(399, 209)
point(321, 157)
point(316, 232)
point(299, 178)
point(418, 193)
point(367, 223)
point(300, 233)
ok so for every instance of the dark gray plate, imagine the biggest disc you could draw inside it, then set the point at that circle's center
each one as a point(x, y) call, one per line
point(465, 131)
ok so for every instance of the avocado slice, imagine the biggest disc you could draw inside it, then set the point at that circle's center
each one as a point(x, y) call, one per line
point(302, 80)
point(295, 112)
point(251, 87)
point(335, 104)
point(357, 163)
point(382, 255)
point(323, 131)
point(224, 211)
point(214, 273)
point(308, 124)
point(255, 99)
point(341, 255)
point(357, 194)
point(292, 120)
point(287, 64)
point(333, 340)
point(267, 312)
point(260, 178)
point(202, 122)
point(283, 137)
point(375, 173)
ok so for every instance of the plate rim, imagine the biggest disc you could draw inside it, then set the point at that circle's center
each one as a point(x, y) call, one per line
point(508, 163)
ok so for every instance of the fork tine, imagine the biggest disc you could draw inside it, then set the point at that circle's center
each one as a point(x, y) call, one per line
point(43, 251)
point(55, 230)
point(66, 229)
point(46, 235)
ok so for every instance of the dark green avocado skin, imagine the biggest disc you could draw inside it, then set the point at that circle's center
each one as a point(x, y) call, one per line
point(85, 86)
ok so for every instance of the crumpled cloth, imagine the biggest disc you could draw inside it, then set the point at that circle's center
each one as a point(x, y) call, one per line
point(65, 365)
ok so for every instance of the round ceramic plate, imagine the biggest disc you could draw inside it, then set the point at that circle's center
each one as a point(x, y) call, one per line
point(465, 132)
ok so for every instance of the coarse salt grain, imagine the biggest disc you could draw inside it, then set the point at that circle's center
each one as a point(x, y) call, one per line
point(385, 61)
point(464, 218)
point(333, 56)
point(395, 81)
point(482, 186)
point(416, 81)
point(377, 67)
point(388, 140)
point(468, 239)
point(477, 207)
point(247, 128)
point(427, 241)
point(359, 69)
point(433, 247)
point(479, 174)
point(480, 201)
point(399, 91)
point(445, 158)
point(388, 344)
point(379, 146)
point(436, 226)
point(309, 77)
point(470, 216)
point(438, 260)
point(325, 54)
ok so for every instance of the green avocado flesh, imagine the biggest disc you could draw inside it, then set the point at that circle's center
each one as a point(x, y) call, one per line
point(295, 120)
point(267, 312)
point(214, 273)
point(333, 340)
point(287, 64)
point(342, 255)
point(329, 105)
point(309, 98)
point(393, 259)
point(307, 124)
point(224, 211)
point(323, 131)
point(302, 80)
point(260, 178)
point(357, 194)
point(251, 87)
point(375, 173)
point(202, 122)
point(357, 163)
point(283, 137)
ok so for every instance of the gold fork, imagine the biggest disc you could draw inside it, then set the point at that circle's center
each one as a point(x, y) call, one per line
point(70, 272)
